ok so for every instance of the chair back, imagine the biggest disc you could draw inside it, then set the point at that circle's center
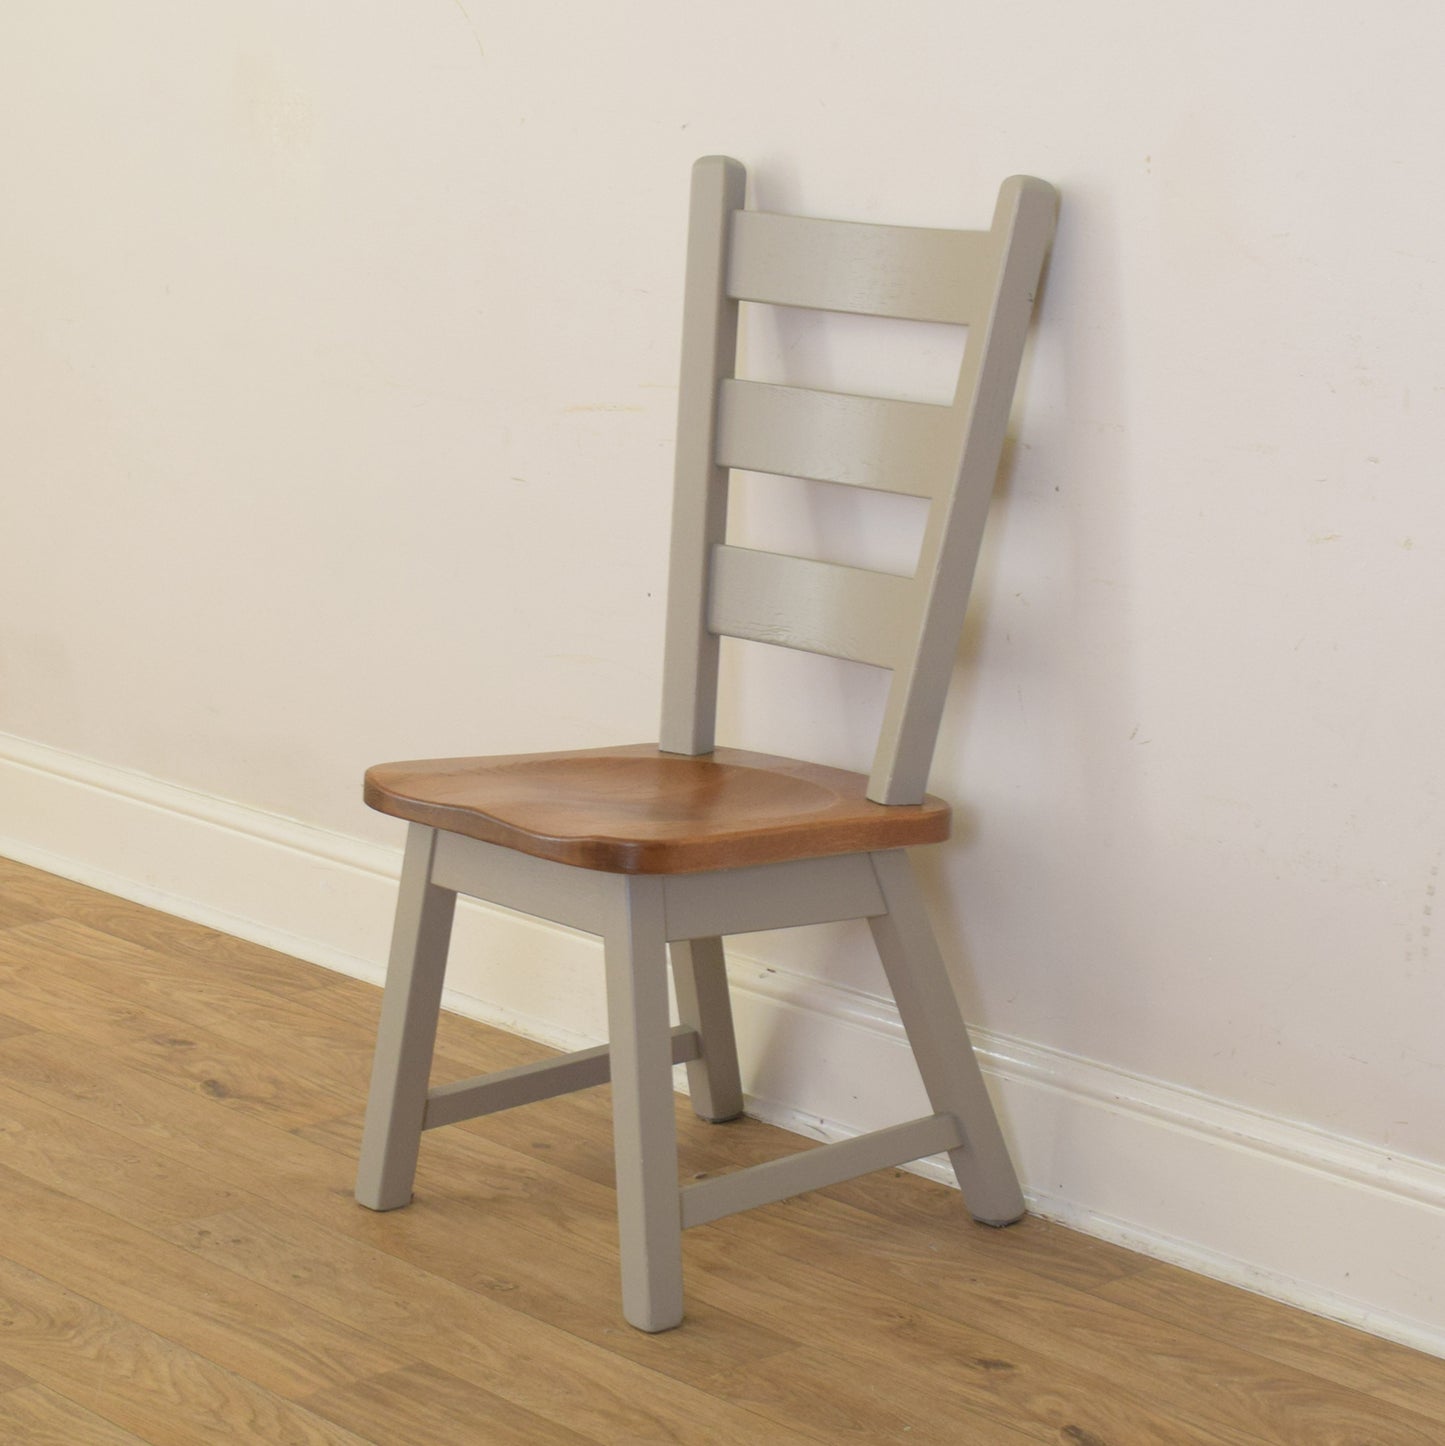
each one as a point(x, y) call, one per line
point(947, 454)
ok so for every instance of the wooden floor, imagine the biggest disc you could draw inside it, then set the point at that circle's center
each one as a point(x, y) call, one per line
point(181, 1260)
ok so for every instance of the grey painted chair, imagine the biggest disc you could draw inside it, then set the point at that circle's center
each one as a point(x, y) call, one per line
point(669, 848)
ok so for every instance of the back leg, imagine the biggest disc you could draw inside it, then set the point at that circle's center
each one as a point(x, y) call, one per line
point(401, 1068)
point(926, 1002)
point(700, 976)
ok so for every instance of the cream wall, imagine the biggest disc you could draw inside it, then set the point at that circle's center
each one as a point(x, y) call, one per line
point(337, 393)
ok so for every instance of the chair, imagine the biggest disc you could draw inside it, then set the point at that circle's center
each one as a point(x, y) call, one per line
point(668, 848)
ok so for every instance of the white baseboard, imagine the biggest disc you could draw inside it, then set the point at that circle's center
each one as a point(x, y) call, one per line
point(1332, 1225)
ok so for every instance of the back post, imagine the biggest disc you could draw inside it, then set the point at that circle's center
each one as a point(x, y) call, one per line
point(1022, 230)
point(700, 493)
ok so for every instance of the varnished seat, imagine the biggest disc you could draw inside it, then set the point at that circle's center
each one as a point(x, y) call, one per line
point(663, 851)
point(637, 810)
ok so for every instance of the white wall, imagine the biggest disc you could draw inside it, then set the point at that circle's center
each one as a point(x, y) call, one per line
point(336, 395)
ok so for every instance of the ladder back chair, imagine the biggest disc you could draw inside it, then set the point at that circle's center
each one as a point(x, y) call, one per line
point(666, 849)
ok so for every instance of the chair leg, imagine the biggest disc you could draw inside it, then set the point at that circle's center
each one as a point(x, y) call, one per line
point(649, 1207)
point(926, 1002)
point(401, 1068)
point(703, 1004)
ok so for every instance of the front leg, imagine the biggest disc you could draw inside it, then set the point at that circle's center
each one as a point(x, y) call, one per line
point(649, 1208)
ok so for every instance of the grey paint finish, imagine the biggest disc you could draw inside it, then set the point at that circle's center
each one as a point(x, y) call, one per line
point(907, 272)
point(949, 455)
point(700, 489)
point(1024, 222)
point(918, 978)
point(579, 898)
point(396, 1105)
point(699, 972)
point(877, 442)
point(525, 1084)
point(710, 1200)
point(820, 607)
point(771, 896)
point(644, 1140)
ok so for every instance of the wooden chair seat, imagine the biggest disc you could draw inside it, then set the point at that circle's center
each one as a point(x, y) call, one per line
point(637, 810)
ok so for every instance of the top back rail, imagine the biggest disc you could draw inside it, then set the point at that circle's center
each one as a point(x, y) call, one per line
point(947, 454)
point(906, 272)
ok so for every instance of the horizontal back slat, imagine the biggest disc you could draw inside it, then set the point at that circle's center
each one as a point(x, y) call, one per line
point(820, 607)
point(890, 446)
point(909, 272)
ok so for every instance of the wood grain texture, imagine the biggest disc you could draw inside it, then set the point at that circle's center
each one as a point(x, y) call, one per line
point(176, 1269)
point(260, 1334)
point(1226, 1389)
point(35, 1416)
point(944, 1370)
point(39, 992)
point(138, 1379)
point(847, 1404)
point(476, 1338)
point(71, 1156)
point(424, 1406)
point(16, 911)
point(199, 991)
point(45, 896)
point(637, 810)
point(1288, 1337)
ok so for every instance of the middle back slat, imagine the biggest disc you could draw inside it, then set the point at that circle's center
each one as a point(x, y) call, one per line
point(818, 607)
point(875, 442)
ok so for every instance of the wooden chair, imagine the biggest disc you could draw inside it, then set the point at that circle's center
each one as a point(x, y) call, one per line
point(669, 848)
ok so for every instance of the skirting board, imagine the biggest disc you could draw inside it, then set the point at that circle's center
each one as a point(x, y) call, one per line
point(1337, 1227)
